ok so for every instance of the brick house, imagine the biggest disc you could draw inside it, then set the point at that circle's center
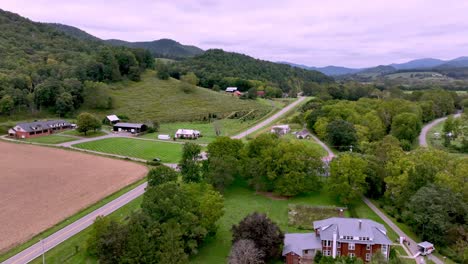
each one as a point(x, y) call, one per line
point(336, 236)
point(38, 128)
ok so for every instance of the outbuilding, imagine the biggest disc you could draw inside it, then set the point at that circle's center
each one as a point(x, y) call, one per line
point(280, 130)
point(113, 119)
point(38, 128)
point(426, 248)
point(187, 134)
point(133, 128)
point(231, 89)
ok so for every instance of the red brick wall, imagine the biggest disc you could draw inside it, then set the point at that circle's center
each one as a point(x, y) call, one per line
point(359, 250)
point(292, 258)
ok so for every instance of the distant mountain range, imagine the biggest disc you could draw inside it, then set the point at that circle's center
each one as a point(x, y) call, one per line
point(163, 48)
point(419, 64)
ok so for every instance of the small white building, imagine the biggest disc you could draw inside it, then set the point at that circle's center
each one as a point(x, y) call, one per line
point(280, 130)
point(113, 119)
point(164, 137)
point(187, 134)
point(231, 89)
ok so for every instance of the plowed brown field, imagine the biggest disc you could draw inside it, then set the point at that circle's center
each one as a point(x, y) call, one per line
point(41, 186)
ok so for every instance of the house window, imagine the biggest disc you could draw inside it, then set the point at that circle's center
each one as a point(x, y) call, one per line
point(351, 255)
point(338, 245)
point(368, 247)
point(306, 251)
point(384, 249)
point(367, 256)
point(327, 252)
point(327, 243)
point(351, 246)
point(338, 253)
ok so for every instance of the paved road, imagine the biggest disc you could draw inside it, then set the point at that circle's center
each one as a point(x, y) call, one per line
point(58, 237)
point(426, 128)
point(270, 119)
point(413, 245)
point(330, 154)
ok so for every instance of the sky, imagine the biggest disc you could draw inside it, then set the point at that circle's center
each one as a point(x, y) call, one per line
point(352, 33)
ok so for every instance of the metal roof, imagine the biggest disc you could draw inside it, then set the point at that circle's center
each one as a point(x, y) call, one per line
point(113, 118)
point(129, 125)
point(42, 125)
point(426, 244)
point(298, 242)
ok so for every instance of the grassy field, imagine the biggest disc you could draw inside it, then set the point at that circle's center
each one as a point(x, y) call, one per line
point(438, 143)
point(309, 142)
point(50, 139)
point(89, 134)
point(73, 250)
point(154, 99)
point(228, 127)
point(143, 149)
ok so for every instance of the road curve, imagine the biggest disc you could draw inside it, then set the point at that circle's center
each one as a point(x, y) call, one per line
point(426, 128)
point(58, 237)
point(269, 119)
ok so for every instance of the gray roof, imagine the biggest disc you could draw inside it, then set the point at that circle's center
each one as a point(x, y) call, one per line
point(42, 125)
point(298, 242)
point(303, 132)
point(376, 232)
point(426, 244)
point(129, 125)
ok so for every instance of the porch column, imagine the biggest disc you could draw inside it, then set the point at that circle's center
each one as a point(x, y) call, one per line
point(334, 244)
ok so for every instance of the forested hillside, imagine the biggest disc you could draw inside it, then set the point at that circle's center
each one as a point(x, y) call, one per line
point(163, 48)
point(74, 32)
point(42, 68)
point(220, 68)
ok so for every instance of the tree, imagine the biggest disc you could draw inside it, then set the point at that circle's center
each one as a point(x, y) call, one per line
point(266, 235)
point(186, 87)
point(220, 171)
point(190, 78)
point(160, 175)
point(189, 164)
point(406, 126)
point(139, 247)
point(252, 93)
point(427, 212)
point(225, 146)
point(341, 134)
point(162, 70)
point(6, 104)
point(86, 122)
point(112, 243)
point(64, 104)
point(171, 244)
point(99, 228)
point(245, 252)
point(348, 178)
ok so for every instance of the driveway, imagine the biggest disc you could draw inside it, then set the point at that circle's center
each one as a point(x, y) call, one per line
point(426, 128)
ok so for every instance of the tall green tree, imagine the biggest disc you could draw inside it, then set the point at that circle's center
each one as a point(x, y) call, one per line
point(190, 166)
point(342, 134)
point(64, 104)
point(348, 178)
point(160, 175)
point(6, 105)
point(406, 126)
point(86, 122)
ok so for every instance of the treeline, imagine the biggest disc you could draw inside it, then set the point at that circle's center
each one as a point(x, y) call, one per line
point(424, 188)
point(353, 124)
point(217, 68)
point(43, 68)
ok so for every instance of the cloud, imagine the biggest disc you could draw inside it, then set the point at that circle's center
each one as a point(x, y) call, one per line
point(356, 33)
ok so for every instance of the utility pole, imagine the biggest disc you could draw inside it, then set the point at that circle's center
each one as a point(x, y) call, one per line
point(43, 251)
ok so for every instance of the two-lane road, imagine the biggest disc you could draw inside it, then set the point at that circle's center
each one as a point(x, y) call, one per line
point(426, 128)
point(58, 237)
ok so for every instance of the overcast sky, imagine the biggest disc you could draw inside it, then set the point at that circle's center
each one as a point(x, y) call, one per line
point(354, 33)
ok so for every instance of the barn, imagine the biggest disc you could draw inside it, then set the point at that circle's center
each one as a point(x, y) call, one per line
point(133, 128)
point(38, 128)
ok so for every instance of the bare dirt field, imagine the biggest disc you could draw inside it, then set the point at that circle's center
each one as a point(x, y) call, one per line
point(41, 186)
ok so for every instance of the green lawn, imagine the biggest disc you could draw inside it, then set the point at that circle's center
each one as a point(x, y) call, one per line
point(143, 149)
point(163, 100)
point(228, 127)
point(50, 139)
point(438, 143)
point(89, 134)
point(73, 250)
point(309, 142)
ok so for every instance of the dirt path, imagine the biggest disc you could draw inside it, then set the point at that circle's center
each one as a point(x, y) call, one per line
point(426, 128)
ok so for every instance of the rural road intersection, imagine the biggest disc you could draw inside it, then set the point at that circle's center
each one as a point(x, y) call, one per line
point(58, 237)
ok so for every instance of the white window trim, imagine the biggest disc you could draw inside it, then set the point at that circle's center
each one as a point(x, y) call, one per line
point(351, 255)
point(368, 247)
point(351, 246)
point(368, 257)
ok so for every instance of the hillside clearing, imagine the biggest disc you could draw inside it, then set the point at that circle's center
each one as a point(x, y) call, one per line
point(163, 100)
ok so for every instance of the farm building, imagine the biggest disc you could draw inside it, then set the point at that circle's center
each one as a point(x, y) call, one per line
point(337, 236)
point(280, 130)
point(187, 134)
point(303, 134)
point(231, 89)
point(130, 127)
point(112, 119)
point(38, 128)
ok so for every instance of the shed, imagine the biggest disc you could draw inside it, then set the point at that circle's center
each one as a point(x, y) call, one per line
point(164, 137)
point(231, 89)
point(113, 119)
point(303, 134)
point(280, 129)
point(130, 127)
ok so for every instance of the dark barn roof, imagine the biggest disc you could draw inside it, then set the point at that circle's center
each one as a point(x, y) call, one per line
point(42, 125)
point(129, 125)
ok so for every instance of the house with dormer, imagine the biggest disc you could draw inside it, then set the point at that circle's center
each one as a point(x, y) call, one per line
point(337, 236)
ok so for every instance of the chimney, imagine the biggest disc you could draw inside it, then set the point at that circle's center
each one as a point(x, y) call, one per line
point(360, 224)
